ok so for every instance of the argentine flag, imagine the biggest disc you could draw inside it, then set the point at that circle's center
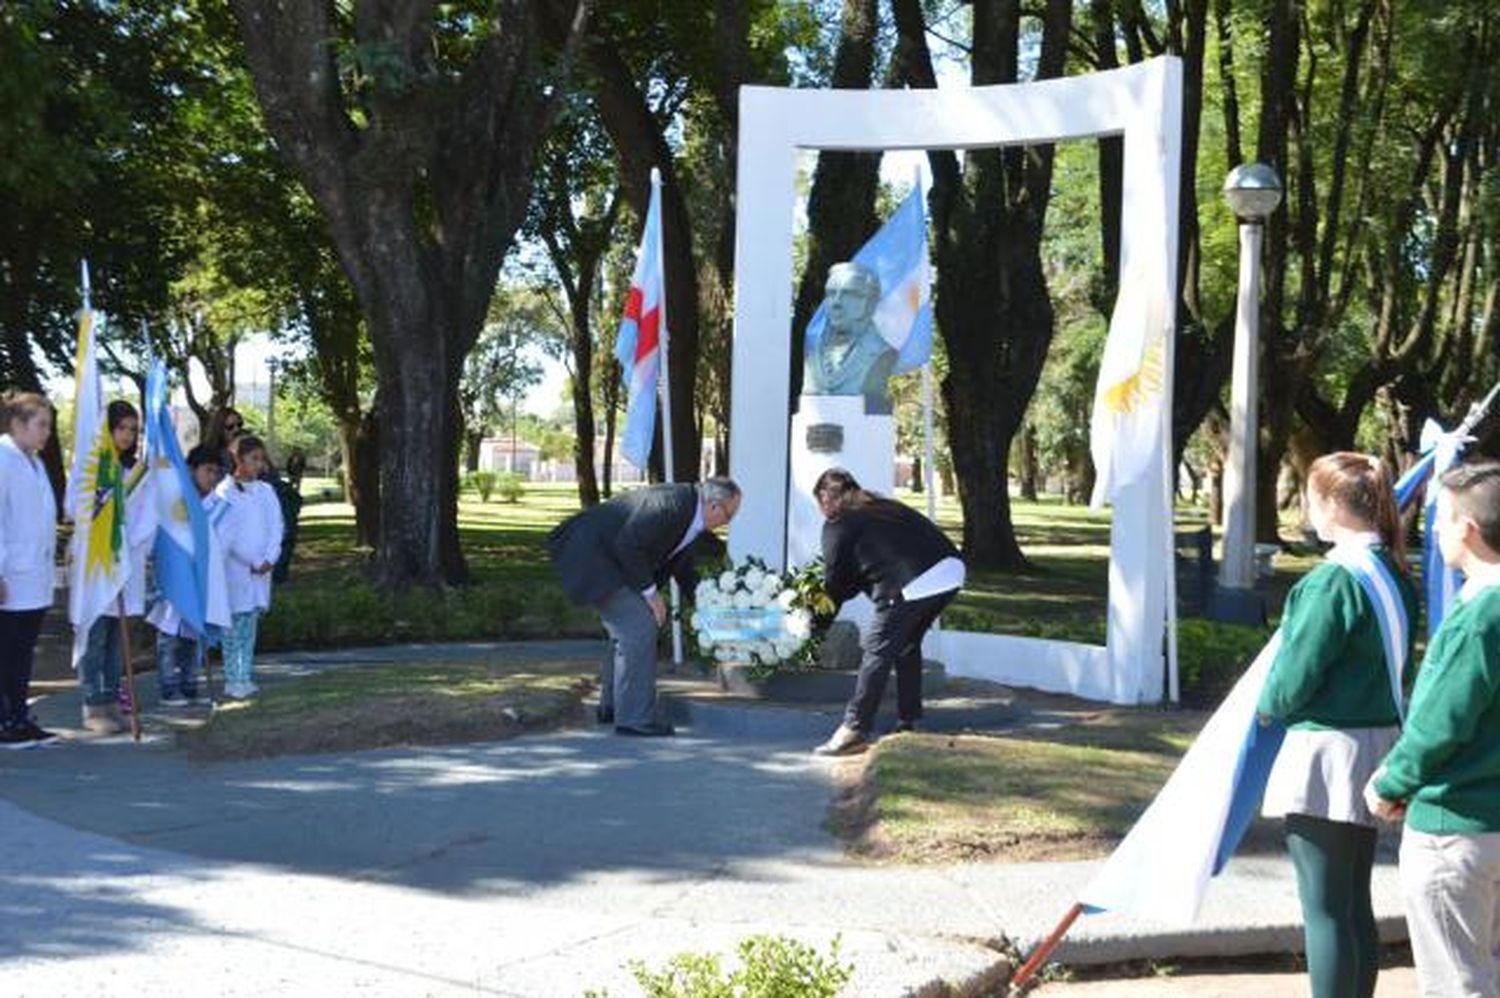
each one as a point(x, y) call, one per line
point(898, 256)
point(189, 568)
point(1189, 832)
point(1440, 452)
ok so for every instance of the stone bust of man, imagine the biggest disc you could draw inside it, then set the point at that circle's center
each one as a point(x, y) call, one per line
point(851, 357)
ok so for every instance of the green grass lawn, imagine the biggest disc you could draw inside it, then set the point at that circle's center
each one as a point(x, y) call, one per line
point(1063, 793)
point(514, 594)
point(408, 703)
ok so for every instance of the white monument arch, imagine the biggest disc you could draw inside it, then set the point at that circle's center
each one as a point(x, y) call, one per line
point(1142, 103)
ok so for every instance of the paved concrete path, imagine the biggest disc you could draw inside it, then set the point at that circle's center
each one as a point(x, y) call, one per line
point(539, 866)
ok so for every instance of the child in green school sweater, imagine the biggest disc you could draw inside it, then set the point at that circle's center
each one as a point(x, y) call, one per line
point(1443, 775)
point(1336, 685)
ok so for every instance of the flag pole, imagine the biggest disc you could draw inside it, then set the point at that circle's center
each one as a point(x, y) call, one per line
point(135, 705)
point(1044, 949)
point(664, 384)
point(927, 475)
point(1169, 489)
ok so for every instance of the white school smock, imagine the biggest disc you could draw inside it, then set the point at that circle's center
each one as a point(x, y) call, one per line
point(28, 529)
point(249, 524)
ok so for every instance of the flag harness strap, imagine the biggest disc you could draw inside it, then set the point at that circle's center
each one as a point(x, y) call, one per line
point(1379, 584)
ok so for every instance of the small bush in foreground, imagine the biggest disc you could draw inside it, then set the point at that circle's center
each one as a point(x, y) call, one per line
point(769, 967)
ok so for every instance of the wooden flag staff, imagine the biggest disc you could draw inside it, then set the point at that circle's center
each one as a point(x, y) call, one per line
point(135, 704)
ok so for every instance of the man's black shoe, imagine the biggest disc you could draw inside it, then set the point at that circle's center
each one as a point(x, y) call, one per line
point(605, 715)
point(646, 730)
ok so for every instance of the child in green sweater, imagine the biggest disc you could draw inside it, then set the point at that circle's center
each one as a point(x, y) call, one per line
point(1336, 685)
point(1443, 775)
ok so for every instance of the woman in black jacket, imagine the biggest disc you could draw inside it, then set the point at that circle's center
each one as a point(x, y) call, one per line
point(909, 569)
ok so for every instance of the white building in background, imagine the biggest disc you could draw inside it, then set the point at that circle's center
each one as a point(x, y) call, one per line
point(501, 454)
point(505, 454)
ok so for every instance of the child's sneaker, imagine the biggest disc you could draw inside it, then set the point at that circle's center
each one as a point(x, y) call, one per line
point(37, 733)
point(241, 691)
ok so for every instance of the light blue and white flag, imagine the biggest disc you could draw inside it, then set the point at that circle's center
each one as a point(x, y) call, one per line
point(1440, 451)
point(189, 569)
point(1186, 836)
point(898, 256)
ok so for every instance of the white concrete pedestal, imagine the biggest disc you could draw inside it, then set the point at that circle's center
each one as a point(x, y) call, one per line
point(868, 452)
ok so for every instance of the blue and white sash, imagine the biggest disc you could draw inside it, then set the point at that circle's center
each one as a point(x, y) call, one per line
point(1379, 584)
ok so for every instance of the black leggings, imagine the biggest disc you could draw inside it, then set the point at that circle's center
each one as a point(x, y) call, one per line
point(1333, 860)
point(18, 634)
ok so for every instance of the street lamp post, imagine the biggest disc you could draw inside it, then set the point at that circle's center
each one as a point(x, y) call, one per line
point(1253, 191)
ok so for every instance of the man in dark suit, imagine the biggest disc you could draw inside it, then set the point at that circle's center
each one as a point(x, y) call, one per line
point(909, 568)
point(613, 557)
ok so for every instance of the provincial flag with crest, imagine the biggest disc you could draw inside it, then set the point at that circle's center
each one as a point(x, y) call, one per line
point(95, 501)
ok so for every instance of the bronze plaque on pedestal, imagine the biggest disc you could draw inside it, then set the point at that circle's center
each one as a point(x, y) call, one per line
point(825, 438)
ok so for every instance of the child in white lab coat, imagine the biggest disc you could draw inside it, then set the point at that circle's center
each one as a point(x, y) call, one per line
point(248, 520)
point(28, 543)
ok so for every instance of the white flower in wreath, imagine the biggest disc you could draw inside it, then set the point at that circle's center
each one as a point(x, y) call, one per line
point(727, 582)
point(744, 600)
point(753, 578)
point(798, 624)
point(785, 598)
point(770, 585)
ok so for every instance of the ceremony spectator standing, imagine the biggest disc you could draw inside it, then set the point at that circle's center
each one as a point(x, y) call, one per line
point(28, 551)
point(176, 654)
point(909, 569)
point(248, 519)
point(613, 556)
point(100, 666)
point(1336, 690)
point(1443, 774)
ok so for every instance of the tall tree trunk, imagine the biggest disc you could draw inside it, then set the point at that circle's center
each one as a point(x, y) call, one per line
point(991, 300)
point(362, 476)
point(583, 402)
point(473, 441)
point(423, 184)
point(1029, 470)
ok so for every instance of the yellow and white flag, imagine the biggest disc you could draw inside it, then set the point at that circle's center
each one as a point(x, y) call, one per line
point(1126, 429)
point(95, 497)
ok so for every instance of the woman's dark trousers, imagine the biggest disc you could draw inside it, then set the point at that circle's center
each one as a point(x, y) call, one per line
point(893, 638)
